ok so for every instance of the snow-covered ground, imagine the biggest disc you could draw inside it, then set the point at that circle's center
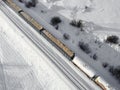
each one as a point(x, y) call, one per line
point(23, 66)
point(100, 19)
point(105, 12)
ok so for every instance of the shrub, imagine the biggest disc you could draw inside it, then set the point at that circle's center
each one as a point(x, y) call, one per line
point(20, 0)
point(105, 64)
point(30, 3)
point(42, 11)
point(34, 3)
point(75, 23)
point(55, 21)
point(112, 39)
point(115, 71)
point(95, 57)
point(66, 36)
point(84, 47)
point(111, 70)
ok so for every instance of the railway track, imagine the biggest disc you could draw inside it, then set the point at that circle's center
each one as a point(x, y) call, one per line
point(47, 49)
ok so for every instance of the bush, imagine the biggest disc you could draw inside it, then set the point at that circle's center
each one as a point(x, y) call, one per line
point(20, 0)
point(111, 70)
point(115, 71)
point(66, 36)
point(95, 57)
point(34, 3)
point(42, 11)
point(75, 23)
point(105, 64)
point(30, 3)
point(112, 39)
point(84, 47)
point(55, 21)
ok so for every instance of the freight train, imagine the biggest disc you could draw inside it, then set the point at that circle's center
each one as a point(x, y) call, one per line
point(60, 46)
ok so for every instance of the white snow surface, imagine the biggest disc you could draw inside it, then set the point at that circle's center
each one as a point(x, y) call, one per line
point(105, 12)
point(23, 66)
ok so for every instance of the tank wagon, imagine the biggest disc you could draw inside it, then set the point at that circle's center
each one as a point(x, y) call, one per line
point(84, 67)
point(91, 74)
point(65, 50)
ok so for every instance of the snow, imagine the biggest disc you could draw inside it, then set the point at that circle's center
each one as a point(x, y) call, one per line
point(100, 19)
point(105, 12)
point(23, 66)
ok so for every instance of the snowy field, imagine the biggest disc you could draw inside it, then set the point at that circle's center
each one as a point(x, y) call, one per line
point(100, 19)
point(23, 66)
